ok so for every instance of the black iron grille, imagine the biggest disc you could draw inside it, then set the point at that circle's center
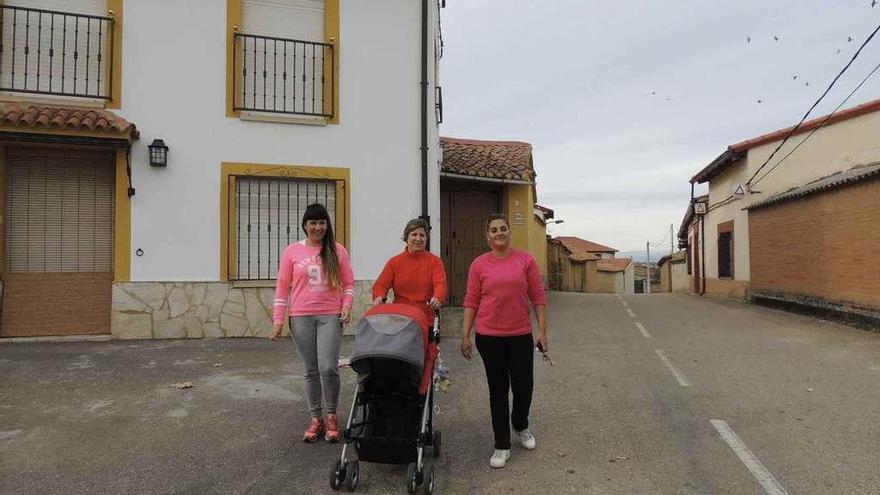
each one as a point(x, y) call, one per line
point(56, 53)
point(280, 75)
point(265, 216)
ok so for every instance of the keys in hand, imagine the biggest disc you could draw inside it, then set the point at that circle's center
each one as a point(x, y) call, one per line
point(544, 356)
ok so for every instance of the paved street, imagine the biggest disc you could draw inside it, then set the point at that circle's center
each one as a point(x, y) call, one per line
point(665, 394)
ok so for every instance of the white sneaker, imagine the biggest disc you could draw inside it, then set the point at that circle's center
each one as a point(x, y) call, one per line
point(499, 458)
point(526, 439)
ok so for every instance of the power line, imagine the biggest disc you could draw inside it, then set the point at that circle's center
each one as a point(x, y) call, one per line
point(796, 127)
point(821, 124)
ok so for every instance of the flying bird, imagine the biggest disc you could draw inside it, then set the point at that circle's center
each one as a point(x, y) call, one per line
point(794, 77)
point(849, 39)
point(776, 38)
point(748, 39)
point(808, 83)
point(873, 3)
point(759, 101)
point(838, 51)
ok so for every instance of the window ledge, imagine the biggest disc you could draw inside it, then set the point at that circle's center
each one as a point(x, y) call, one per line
point(250, 284)
point(282, 119)
point(52, 100)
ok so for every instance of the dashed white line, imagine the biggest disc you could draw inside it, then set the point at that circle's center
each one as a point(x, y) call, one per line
point(679, 376)
point(630, 313)
point(625, 305)
point(643, 330)
point(765, 479)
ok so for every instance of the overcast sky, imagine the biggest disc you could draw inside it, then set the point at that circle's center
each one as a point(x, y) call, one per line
point(575, 78)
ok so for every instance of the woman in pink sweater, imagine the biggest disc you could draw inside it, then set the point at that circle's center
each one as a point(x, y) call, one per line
point(315, 275)
point(501, 283)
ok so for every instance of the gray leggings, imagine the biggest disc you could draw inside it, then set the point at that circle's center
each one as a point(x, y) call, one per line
point(317, 339)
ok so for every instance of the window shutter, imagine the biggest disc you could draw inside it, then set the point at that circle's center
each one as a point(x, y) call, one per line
point(59, 210)
point(294, 19)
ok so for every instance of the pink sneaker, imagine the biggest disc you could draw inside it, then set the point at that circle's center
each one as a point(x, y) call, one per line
point(332, 431)
point(316, 427)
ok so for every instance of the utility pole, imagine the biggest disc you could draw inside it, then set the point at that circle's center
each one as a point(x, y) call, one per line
point(671, 244)
point(648, 269)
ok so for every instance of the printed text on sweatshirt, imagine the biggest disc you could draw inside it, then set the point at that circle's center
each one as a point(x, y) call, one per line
point(302, 282)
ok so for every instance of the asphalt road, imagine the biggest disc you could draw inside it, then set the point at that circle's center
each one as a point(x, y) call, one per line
point(678, 395)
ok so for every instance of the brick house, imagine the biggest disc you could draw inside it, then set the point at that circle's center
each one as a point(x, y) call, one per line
point(804, 232)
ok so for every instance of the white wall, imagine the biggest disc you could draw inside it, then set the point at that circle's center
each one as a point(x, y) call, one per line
point(837, 147)
point(174, 88)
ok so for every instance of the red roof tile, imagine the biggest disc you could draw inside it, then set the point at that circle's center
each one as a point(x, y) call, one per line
point(613, 264)
point(577, 245)
point(511, 160)
point(72, 118)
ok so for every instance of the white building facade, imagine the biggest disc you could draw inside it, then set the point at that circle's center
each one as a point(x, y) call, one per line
point(265, 106)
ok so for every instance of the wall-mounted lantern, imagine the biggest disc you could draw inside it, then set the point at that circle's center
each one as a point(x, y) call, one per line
point(158, 153)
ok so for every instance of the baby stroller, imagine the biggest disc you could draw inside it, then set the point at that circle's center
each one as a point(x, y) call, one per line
point(391, 414)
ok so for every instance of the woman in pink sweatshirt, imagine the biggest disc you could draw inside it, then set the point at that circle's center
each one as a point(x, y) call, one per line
point(501, 283)
point(315, 275)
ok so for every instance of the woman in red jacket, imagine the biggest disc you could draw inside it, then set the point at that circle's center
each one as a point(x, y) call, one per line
point(416, 275)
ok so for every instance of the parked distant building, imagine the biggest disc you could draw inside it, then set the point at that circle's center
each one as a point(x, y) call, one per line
point(578, 265)
point(673, 272)
point(803, 230)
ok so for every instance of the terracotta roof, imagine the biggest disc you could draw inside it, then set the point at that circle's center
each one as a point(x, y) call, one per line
point(582, 257)
point(72, 118)
point(735, 151)
point(613, 264)
point(676, 256)
point(855, 174)
point(577, 245)
point(511, 160)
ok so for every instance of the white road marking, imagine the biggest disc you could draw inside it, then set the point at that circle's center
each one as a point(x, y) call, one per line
point(679, 376)
point(643, 330)
point(625, 305)
point(765, 479)
point(630, 312)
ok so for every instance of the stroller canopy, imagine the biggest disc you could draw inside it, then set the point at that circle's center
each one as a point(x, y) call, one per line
point(391, 331)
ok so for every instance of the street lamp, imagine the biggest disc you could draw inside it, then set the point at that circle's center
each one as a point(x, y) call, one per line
point(158, 153)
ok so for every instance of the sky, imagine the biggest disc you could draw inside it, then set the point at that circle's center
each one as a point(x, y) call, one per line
point(623, 102)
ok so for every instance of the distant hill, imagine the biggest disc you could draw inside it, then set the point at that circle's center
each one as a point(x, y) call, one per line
point(641, 256)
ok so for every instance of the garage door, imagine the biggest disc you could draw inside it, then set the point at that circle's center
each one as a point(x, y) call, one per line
point(58, 269)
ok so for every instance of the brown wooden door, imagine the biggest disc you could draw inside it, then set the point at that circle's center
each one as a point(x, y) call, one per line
point(463, 214)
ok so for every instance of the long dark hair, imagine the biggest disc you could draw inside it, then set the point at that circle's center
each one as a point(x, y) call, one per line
point(328, 255)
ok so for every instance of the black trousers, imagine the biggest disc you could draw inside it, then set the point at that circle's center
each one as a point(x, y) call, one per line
point(509, 363)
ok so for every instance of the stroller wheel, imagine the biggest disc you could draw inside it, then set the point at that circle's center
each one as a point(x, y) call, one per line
point(412, 478)
point(428, 482)
point(435, 442)
point(337, 475)
point(351, 476)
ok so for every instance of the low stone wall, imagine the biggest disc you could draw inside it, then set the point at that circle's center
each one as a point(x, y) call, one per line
point(726, 288)
point(177, 310)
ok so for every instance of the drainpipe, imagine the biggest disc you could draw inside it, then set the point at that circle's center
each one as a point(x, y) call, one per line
point(424, 115)
point(703, 254)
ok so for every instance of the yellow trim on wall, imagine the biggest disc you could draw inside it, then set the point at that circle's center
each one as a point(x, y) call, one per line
point(116, 77)
point(228, 170)
point(122, 222)
point(233, 25)
point(2, 210)
point(331, 35)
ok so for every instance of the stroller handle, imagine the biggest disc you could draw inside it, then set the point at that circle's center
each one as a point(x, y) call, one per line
point(435, 331)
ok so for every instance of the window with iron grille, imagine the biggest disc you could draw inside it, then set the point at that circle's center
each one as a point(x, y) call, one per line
point(267, 215)
point(56, 47)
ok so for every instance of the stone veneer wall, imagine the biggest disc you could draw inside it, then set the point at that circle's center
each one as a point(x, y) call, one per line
point(177, 310)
